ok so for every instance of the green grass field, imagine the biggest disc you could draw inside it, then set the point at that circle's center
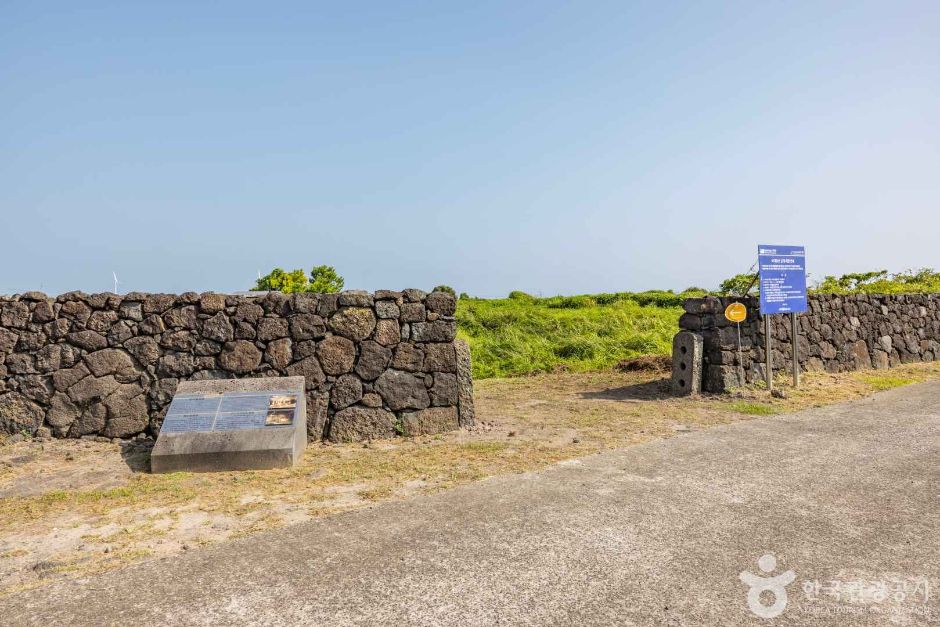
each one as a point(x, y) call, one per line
point(523, 334)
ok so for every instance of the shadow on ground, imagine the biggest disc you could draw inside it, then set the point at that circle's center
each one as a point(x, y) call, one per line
point(648, 391)
point(136, 455)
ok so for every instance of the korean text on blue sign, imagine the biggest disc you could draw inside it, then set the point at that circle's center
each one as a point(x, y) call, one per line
point(782, 279)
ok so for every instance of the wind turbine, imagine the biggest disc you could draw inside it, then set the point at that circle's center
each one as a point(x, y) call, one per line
point(114, 274)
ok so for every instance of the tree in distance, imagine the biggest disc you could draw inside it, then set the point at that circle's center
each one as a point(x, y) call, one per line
point(322, 280)
point(325, 280)
point(739, 285)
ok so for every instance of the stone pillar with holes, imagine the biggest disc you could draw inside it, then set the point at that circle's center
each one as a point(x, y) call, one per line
point(687, 349)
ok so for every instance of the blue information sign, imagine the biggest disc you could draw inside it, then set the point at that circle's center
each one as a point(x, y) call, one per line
point(782, 279)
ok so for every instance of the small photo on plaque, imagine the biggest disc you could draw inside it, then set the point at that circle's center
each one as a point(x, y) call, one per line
point(278, 417)
point(283, 401)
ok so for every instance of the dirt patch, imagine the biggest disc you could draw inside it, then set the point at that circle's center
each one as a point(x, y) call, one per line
point(71, 508)
point(68, 465)
point(645, 363)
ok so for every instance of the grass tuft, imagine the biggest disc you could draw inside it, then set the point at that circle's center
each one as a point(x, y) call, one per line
point(753, 409)
point(885, 382)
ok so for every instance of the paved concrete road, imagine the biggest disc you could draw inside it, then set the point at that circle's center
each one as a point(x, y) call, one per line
point(654, 534)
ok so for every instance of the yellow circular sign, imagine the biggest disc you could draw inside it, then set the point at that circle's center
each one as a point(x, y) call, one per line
point(736, 312)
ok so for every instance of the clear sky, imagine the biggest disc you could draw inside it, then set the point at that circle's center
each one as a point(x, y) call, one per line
point(564, 147)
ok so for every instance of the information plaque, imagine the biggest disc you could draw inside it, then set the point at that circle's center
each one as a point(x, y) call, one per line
point(782, 291)
point(237, 424)
point(782, 279)
point(234, 410)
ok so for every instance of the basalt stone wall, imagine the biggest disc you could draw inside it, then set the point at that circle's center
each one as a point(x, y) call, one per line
point(376, 365)
point(839, 333)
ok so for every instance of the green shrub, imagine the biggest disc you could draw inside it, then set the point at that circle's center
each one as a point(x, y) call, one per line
point(658, 298)
point(569, 302)
point(609, 299)
point(923, 281)
point(445, 288)
point(517, 295)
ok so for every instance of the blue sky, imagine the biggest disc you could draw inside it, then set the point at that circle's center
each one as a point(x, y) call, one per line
point(548, 147)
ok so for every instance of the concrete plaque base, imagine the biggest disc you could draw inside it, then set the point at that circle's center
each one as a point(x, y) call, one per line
point(233, 424)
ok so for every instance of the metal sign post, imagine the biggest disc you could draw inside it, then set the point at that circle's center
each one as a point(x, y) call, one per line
point(782, 290)
point(737, 313)
point(795, 341)
point(769, 372)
